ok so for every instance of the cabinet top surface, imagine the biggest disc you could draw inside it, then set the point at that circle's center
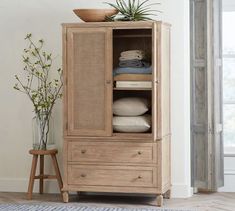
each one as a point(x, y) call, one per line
point(142, 24)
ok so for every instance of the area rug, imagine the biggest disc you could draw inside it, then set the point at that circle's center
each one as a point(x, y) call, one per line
point(27, 207)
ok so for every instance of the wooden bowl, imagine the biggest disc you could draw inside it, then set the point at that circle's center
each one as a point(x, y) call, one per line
point(94, 15)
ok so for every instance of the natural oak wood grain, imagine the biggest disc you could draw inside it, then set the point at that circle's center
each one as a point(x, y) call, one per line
point(84, 151)
point(41, 153)
point(159, 200)
point(89, 81)
point(124, 176)
point(32, 175)
point(95, 158)
point(41, 173)
point(65, 195)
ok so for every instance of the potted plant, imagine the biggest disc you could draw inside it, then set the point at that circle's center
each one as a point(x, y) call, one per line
point(132, 10)
point(42, 91)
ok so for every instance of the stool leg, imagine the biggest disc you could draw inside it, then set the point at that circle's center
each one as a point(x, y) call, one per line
point(41, 173)
point(57, 171)
point(32, 175)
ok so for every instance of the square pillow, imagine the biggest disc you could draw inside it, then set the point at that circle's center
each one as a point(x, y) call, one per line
point(130, 106)
point(137, 124)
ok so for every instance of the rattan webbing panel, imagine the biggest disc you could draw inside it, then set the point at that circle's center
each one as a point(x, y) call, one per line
point(89, 81)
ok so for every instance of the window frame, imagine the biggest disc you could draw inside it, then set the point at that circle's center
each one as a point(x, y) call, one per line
point(228, 150)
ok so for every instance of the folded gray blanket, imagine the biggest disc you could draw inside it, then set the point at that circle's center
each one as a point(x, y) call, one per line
point(133, 63)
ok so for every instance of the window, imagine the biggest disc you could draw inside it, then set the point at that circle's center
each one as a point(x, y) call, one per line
point(229, 81)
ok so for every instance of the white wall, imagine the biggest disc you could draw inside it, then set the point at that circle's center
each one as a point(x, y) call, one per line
point(177, 13)
point(43, 19)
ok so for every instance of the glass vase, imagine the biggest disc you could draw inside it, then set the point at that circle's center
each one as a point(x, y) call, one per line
point(43, 136)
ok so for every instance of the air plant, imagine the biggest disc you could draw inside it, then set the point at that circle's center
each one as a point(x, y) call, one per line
point(132, 10)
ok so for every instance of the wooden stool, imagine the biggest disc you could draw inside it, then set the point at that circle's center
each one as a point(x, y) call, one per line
point(42, 176)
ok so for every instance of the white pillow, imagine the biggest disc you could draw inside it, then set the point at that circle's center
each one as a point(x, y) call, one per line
point(130, 106)
point(137, 124)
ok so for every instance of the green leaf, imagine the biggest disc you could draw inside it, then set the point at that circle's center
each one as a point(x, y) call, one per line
point(28, 36)
point(16, 87)
point(121, 5)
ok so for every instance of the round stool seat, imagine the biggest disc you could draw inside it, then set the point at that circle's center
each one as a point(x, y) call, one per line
point(43, 152)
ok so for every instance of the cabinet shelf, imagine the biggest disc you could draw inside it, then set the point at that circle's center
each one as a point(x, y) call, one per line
point(132, 89)
point(147, 135)
point(133, 77)
point(132, 36)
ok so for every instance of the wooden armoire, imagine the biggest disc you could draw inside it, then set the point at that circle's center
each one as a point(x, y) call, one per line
point(95, 157)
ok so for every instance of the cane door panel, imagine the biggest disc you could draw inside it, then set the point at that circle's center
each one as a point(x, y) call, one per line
point(89, 91)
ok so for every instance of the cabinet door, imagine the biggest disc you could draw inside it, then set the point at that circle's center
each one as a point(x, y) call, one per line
point(89, 81)
point(161, 80)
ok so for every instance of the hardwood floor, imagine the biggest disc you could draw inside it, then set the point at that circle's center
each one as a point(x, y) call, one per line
point(200, 202)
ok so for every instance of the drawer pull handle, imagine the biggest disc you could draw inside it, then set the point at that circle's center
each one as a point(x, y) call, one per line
point(108, 81)
point(83, 175)
point(139, 153)
point(83, 151)
point(139, 177)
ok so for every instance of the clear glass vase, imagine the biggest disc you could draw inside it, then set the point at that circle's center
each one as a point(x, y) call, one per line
point(43, 136)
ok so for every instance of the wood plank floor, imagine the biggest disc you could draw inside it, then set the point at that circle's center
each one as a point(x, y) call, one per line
point(200, 202)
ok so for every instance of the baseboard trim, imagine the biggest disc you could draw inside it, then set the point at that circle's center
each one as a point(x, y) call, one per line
point(181, 191)
point(21, 185)
point(51, 186)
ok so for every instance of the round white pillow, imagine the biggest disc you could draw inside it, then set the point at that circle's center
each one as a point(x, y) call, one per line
point(137, 124)
point(130, 106)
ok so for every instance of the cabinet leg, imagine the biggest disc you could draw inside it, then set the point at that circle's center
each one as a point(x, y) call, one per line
point(159, 200)
point(167, 195)
point(65, 195)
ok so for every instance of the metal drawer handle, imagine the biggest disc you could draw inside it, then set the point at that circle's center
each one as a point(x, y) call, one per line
point(139, 152)
point(83, 175)
point(108, 81)
point(83, 151)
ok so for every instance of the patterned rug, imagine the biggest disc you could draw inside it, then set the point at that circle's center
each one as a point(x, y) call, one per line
point(27, 207)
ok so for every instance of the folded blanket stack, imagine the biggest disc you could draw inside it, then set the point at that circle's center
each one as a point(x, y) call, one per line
point(132, 54)
point(133, 70)
point(133, 62)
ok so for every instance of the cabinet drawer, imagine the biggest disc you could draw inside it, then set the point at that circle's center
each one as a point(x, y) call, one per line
point(112, 152)
point(137, 176)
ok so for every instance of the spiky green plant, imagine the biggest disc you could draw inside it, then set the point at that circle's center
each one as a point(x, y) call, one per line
point(132, 10)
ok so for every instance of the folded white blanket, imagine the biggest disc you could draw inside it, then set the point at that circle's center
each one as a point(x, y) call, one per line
point(132, 52)
point(131, 57)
